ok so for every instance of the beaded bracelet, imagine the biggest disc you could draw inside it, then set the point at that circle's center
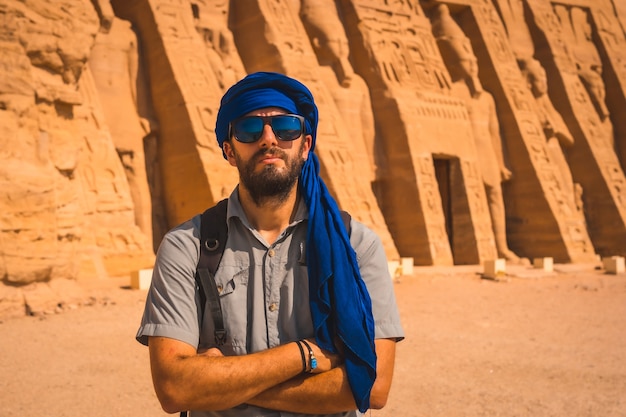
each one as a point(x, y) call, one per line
point(302, 354)
point(313, 360)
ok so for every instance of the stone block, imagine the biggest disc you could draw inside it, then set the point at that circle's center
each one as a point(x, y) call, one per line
point(141, 279)
point(613, 264)
point(547, 264)
point(406, 266)
point(494, 268)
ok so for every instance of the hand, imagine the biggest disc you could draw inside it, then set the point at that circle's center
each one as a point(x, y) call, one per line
point(213, 351)
point(325, 360)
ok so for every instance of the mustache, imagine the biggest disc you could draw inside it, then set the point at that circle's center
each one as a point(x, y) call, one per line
point(274, 152)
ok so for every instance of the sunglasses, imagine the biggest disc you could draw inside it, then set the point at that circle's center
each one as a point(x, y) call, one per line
point(249, 129)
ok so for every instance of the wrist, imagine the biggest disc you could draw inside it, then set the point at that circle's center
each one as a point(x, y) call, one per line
point(312, 358)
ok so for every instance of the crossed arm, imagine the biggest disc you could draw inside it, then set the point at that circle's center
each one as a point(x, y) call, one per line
point(186, 380)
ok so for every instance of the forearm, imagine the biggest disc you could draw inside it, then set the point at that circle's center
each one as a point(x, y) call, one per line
point(326, 393)
point(206, 382)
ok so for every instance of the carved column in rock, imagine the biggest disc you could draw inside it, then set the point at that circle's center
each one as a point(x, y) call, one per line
point(512, 14)
point(620, 10)
point(185, 94)
point(611, 46)
point(107, 200)
point(431, 188)
point(558, 136)
point(593, 161)
point(459, 57)
point(114, 66)
point(348, 89)
point(541, 220)
point(271, 37)
point(211, 19)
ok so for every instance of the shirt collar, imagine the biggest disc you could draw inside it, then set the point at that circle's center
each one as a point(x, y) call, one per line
point(236, 210)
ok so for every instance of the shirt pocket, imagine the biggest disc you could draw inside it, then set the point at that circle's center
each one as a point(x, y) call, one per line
point(232, 286)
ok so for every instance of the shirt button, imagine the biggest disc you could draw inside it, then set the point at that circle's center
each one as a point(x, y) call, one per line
point(219, 288)
point(271, 253)
point(273, 307)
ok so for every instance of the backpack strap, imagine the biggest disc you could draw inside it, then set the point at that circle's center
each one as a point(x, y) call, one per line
point(213, 236)
point(346, 217)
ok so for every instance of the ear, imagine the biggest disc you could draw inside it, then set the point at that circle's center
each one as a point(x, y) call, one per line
point(227, 147)
point(306, 148)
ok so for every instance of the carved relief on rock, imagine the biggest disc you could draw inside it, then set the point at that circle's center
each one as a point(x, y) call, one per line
point(343, 133)
point(114, 64)
point(348, 89)
point(211, 21)
point(558, 136)
point(44, 124)
point(394, 50)
point(462, 64)
point(569, 48)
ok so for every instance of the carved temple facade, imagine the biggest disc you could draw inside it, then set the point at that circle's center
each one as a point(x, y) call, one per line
point(459, 130)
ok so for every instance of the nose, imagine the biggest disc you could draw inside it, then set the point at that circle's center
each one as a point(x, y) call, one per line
point(268, 138)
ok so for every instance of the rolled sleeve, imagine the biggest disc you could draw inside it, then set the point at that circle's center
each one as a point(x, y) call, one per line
point(172, 302)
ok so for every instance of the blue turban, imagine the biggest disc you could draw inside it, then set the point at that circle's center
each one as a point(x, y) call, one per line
point(339, 300)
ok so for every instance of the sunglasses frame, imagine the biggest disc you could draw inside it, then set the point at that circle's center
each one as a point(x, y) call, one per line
point(267, 120)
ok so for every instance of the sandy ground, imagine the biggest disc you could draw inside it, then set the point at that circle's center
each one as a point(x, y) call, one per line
point(533, 344)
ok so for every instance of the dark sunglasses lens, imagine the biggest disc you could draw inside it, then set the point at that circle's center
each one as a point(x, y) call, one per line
point(248, 129)
point(287, 127)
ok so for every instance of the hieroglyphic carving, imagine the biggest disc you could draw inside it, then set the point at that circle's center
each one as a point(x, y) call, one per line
point(575, 24)
point(459, 57)
point(174, 20)
point(409, 82)
point(501, 75)
point(558, 136)
point(69, 172)
point(592, 159)
point(431, 199)
point(473, 186)
point(612, 45)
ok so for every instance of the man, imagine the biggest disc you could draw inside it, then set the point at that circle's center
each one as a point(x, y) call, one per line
point(303, 335)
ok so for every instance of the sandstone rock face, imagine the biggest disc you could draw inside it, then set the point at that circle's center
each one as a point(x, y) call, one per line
point(66, 205)
point(459, 130)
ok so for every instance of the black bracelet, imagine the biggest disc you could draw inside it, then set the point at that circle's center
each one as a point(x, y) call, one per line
point(312, 359)
point(302, 354)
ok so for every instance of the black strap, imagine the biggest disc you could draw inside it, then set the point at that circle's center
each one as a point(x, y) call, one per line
point(213, 236)
point(346, 217)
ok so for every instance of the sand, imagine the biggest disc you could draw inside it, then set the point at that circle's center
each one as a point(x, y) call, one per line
point(532, 344)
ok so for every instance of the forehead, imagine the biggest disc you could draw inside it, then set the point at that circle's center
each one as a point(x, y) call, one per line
point(267, 111)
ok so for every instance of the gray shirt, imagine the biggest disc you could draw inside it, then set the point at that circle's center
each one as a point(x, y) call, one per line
point(263, 289)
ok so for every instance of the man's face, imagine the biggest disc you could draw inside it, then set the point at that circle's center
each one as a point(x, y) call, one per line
point(269, 167)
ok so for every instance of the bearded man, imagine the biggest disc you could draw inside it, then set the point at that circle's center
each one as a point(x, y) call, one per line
point(310, 316)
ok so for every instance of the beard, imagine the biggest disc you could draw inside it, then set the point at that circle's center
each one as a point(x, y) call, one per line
point(271, 184)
